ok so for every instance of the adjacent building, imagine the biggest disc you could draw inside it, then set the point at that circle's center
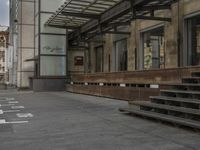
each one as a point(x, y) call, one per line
point(4, 42)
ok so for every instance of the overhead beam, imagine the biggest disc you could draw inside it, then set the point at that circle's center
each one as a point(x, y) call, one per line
point(156, 7)
point(119, 24)
point(153, 18)
point(122, 8)
point(81, 15)
point(116, 32)
point(63, 27)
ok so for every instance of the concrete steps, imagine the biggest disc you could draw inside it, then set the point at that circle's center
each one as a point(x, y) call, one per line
point(162, 117)
point(179, 105)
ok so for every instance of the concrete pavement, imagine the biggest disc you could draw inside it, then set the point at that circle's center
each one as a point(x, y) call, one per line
point(66, 121)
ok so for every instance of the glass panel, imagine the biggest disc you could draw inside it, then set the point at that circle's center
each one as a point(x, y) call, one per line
point(46, 29)
point(193, 40)
point(154, 49)
point(52, 66)
point(99, 59)
point(36, 45)
point(53, 44)
point(36, 25)
point(51, 5)
point(36, 6)
point(121, 55)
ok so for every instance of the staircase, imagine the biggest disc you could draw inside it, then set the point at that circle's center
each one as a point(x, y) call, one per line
point(180, 105)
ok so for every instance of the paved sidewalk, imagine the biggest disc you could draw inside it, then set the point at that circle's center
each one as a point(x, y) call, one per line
point(66, 121)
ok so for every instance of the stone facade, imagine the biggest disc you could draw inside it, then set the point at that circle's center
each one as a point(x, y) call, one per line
point(3, 53)
point(174, 35)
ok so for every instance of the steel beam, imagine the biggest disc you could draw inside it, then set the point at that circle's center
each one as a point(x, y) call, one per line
point(154, 18)
point(81, 15)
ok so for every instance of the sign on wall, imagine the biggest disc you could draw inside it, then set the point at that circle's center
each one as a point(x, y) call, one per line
point(78, 60)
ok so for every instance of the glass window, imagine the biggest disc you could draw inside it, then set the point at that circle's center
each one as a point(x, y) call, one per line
point(153, 48)
point(53, 44)
point(52, 66)
point(99, 59)
point(51, 5)
point(121, 55)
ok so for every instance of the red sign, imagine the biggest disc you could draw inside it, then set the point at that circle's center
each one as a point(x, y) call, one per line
point(78, 60)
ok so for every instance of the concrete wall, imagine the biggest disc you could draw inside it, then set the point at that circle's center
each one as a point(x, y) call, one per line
point(25, 47)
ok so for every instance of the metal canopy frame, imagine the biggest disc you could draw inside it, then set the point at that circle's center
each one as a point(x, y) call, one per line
point(88, 18)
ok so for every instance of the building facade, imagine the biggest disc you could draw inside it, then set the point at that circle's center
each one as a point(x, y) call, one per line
point(4, 41)
point(53, 40)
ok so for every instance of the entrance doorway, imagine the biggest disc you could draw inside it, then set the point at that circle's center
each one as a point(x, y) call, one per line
point(192, 52)
point(153, 48)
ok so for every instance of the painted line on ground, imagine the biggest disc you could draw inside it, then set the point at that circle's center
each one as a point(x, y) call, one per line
point(3, 121)
point(17, 122)
point(1, 112)
point(10, 99)
point(13, 102)
point(6, 99)
point(11, 111)
point(5, 105)
point(24, 115)
point(17, 107)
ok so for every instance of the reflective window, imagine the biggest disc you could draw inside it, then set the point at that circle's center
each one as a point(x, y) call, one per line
point(52, 66)
point(53, 44)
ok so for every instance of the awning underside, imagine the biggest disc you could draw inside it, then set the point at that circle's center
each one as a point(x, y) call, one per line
point(91, 17)
point(75, 13)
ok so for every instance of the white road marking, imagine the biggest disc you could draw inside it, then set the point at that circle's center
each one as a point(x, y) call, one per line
point(24, 115)
point(17, 107)
point(13, 102)
point(1, 112)
point(5, 105)
point(2, 121)
point(10, 99)
point(11, 111)
point(16, 122)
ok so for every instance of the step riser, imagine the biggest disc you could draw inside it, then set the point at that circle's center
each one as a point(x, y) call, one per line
point(180, 104)
point(194, 81)
point(176, 103)
point(166, 118)
point(182, 87)
point(172, 113)
point(195, 74)
point(181, 95)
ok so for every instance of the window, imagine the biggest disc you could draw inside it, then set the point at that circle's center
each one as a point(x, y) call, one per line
point(192, 53)
point(120, 55)
point(99, 58)
point(153, 48)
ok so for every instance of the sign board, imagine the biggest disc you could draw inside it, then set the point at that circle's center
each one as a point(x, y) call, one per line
point(78, 60)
